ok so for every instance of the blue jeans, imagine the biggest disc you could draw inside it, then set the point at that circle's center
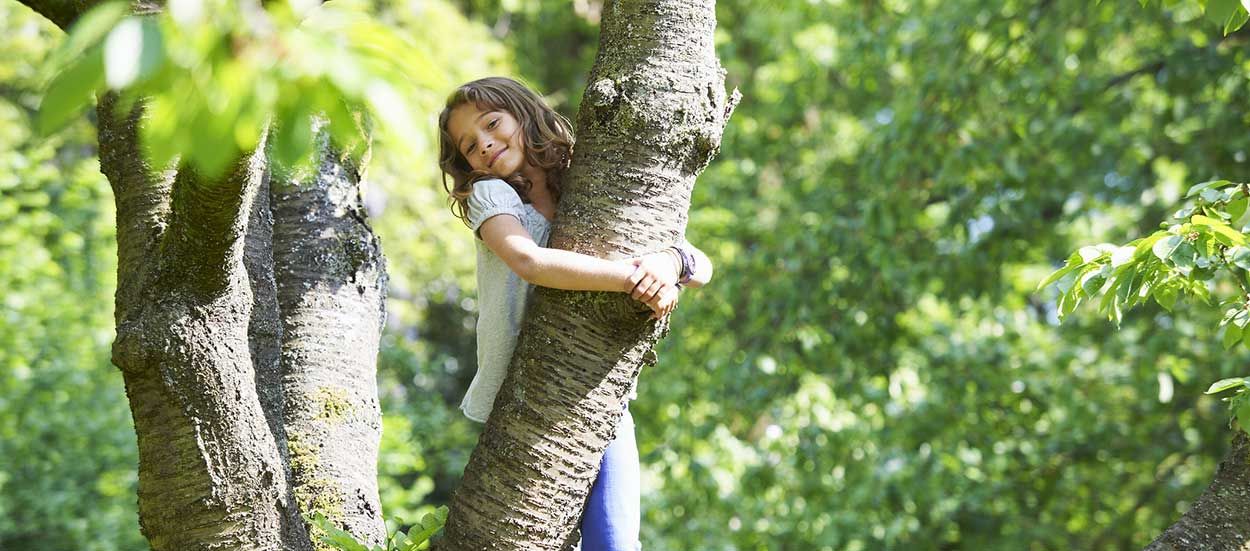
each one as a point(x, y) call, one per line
point(613, 511)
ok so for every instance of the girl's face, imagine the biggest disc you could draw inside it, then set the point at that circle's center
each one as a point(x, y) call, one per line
point(491, 139)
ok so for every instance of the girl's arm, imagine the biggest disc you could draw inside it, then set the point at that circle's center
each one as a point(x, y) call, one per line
point(555, 268)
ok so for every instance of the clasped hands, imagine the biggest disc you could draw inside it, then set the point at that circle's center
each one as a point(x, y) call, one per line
point(654, 281)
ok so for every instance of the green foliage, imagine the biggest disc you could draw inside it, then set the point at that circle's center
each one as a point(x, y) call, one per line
point(1229, 15)
point(872, 366)
point(227, 76)
point(67, 448)
point(1196, 246)
point(63, 410)
point(417, 538)
point(1176, 260)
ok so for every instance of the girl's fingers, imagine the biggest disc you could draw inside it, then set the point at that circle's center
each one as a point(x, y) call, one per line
point(655, 310)
point(640, 291)
point(636, 290)
point(633, 279)
point(653, 291)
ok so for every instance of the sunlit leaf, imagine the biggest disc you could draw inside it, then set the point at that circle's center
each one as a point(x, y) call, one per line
point(1225, 384)
point(71, 90)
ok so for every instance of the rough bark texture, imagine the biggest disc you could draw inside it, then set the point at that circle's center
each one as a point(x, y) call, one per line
point(1220, 518)
point(331, 291)
point(650, 122)
point(203, 352)
point(211, 474)
point(64, 13)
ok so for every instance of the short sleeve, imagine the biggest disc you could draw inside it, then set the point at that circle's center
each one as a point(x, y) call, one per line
point(491, 198)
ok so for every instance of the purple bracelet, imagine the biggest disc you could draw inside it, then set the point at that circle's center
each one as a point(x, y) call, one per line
point(687, 265)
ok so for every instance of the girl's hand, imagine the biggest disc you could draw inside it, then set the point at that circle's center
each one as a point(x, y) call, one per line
point(664, 302)
point(652, 273)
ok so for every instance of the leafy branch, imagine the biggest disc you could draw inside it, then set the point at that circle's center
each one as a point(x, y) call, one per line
point(1183, 257)
point(214, 74)
point(1230, 15)
point(417, 538)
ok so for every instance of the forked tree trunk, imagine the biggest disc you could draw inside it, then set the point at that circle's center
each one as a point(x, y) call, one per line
point(211, 469)
point(227, 346)
point(651, 120)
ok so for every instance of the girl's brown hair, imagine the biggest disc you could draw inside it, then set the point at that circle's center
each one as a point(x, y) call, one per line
point(548, 139)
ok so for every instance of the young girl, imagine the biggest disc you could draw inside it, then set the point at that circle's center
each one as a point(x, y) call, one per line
point(506, 152)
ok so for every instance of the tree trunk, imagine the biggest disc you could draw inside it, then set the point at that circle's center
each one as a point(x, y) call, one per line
point(1220, 518)
point(331, 291)
point(227, 345)
point(651, 120)
point(211, 472)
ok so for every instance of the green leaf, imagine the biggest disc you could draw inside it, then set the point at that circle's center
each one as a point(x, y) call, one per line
point(132, 51)
point(293, 141)
point(342, 540)
point(70, 91)
point(1213, 184)
point(1225, 384)
point(87, 32)
point(1090, 253)
point(1067, 302)
point(1236, 20)
point(1166, 297)
point(1219, 11)
point(1241, 318)
point(1124, 294)
point(1183, 257)
point(1211, 195)
point(1057, 275)
point(1240, 257)
point(1122, 255)
point(1236, 209)
point(1164, 248)
point(1221, 228)
point(1242, 415)
point(1232, 335)
point(1092, 280)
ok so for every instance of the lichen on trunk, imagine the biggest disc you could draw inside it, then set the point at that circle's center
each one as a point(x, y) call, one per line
point(331, 282)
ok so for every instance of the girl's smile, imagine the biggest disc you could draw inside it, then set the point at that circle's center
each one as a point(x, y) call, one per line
point(496, 157)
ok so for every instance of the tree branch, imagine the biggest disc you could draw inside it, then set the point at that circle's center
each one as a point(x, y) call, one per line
point(62, 13)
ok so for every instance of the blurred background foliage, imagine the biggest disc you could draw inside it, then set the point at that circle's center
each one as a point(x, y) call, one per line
point(871, 368)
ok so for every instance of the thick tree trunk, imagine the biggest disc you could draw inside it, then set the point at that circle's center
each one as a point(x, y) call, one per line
point(211, 471)
point(217, 373)
point(1220, 518)
point(650, 122)
point(331, 290)
point(227, 359)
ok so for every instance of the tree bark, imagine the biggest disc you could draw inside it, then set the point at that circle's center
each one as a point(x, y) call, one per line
point(216, 371)
point(331, 291)
point(1220, 518)
point(211, 472)
point(651, 120)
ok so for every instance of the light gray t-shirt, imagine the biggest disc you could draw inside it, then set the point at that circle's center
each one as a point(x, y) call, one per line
point(501, 294)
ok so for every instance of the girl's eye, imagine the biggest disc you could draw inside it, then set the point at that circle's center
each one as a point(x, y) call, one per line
point(469, 150)
point(492, 123)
